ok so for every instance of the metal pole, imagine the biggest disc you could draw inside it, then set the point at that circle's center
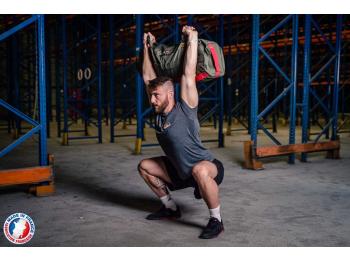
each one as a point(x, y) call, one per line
point(111, 76)
point(294, 76)
point(99, 95)
point(306, 85)
point(65, 84)
point(48, 82)
point(177, 40)
point(42, 91)
point(139, 87)
point(254, 80)
point(229, 79)
point(58, 82)
point(336, 78)
point(221, 90)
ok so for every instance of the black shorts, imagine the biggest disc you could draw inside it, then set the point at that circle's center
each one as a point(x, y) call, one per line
point(178, 183)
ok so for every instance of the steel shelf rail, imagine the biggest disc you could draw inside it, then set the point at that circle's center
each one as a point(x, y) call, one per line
point(85, 86)
point(41, 176)
point(142, 114)
point(344, 89)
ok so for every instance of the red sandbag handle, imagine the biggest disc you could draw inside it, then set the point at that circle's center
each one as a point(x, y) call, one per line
point(204, 75)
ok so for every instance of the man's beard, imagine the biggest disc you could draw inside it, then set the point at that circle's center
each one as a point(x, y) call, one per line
point(161, 107)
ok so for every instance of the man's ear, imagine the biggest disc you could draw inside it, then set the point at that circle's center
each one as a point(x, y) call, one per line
point(171, 92)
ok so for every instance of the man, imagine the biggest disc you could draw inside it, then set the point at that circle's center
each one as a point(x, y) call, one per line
point(186, 162)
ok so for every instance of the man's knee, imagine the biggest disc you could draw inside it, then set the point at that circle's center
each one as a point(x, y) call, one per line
point(200, 172)
point(142, 167)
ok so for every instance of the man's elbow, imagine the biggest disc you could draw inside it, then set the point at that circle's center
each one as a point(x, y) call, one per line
point(190, 73)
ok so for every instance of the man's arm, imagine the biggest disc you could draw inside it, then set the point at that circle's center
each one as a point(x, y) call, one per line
point(188, 79)
point(148, 72)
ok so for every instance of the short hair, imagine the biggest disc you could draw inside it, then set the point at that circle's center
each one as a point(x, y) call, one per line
point(158, 81)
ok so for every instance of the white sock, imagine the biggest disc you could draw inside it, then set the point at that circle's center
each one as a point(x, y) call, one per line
point(168, 202)
point(215, 212)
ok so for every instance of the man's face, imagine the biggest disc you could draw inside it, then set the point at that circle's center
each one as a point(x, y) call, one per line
point(159, 98)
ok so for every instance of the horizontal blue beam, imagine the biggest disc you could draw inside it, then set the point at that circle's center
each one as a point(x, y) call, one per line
point(18, 27)
point(82, 137)
point(149, 145)
point(125, 135)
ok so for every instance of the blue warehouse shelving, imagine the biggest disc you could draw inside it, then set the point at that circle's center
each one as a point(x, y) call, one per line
point(42, 176)
point(254, 151)
point(82, 78)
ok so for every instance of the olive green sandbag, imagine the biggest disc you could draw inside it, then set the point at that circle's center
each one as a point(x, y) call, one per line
point(169, 60)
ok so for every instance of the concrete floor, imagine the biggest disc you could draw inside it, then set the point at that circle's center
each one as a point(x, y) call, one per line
point(102, 201)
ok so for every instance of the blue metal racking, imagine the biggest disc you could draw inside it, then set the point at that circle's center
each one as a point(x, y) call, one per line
point(330, 108)
point(38, 127)
point(90, 89)
point(122, 73)
point(251, 148)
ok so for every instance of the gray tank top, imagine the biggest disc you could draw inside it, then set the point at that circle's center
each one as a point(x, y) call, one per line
point(178, 135)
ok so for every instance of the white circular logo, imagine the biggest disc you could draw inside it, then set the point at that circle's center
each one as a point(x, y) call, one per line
point(19, 228)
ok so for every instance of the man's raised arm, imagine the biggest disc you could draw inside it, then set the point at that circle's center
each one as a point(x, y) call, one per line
point(148, 72)
point(188, 79)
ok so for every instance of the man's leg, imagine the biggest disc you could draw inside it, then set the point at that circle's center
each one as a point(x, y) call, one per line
point(154, 172)
point(204, 173)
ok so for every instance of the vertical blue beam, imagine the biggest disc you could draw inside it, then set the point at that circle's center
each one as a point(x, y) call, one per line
point(294, 76)
point(254, 80)
point(336, 77)
point(15, 80)
point(177, 40)
point(189, 19)
point(58, 77)
point(65, 80)
point(42, 91)
point(221, 89)
point(99, 92)
point(306, 85)
point(111, 77)
point(139, 86)
point(48, 80)
point(230, 77)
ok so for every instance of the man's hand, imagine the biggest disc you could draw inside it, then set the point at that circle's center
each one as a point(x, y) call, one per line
point(148, 72)
point(145, 41)
point(190, 32)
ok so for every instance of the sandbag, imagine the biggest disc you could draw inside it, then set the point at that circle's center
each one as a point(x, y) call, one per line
point(169, 60)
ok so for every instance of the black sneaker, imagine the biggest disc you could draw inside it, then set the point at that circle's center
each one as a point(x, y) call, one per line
point(213, 229)
point(164, 212)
